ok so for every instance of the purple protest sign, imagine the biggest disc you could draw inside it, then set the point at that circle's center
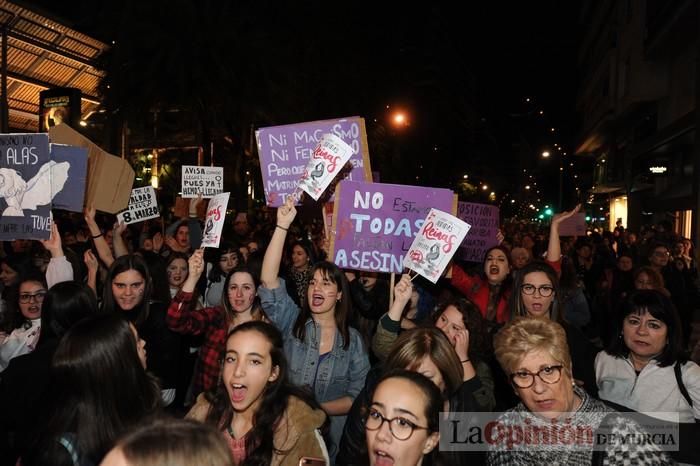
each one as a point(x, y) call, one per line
point(374, 224)
point(573, 226)
point(484, 221)
point(285, 151)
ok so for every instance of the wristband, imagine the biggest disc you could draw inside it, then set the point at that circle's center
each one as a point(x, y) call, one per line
point(466, 360)
point(96, 236)
point(282, 228)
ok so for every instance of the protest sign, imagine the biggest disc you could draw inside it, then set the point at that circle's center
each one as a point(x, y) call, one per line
point(216, 215)
point(143, 205)
point(206, 180)
point(484, 221)
point(109, 178)
point(574, 225)
point(435, 244)
point(327, 159)
point(285, 151)
point(27, 185)
point(374, 224)
point(72, 196)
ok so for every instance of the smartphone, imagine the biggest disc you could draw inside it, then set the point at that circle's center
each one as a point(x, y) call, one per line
point(309, 461)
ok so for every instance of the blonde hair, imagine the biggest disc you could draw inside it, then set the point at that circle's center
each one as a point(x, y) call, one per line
point(524, 335)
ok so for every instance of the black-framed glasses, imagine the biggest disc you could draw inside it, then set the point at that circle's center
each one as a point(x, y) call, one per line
point(526, 379)
point(544, 290)
point(39, 296)
point(400, 427)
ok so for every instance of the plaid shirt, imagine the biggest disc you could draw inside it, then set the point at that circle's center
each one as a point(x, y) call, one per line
point(185, 319)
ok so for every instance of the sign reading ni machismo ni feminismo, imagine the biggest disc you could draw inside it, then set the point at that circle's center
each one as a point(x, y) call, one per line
point(285, 152)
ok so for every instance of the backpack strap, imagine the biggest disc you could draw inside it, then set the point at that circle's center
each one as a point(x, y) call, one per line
point(681, 385)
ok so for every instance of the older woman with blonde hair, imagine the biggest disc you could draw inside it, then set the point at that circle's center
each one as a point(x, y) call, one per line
point(534, 354)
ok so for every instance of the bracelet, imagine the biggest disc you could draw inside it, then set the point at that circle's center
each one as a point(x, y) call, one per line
point(466, 360)
point(96, 236)
point(282, 228)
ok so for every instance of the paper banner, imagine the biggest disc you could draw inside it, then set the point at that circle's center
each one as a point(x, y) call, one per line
point(484, 221)
point(374, 224)
point(27, 185)
point(284, 152)
point(143, 205)
point(206, 180)
point(574, 225)
point(214, 224)
point(433, 248)
point(72, 196)
point(327, 159)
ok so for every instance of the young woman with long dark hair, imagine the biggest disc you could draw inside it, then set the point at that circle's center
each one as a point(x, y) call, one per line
point(239, 304)
point(324, 352)
point(99, 388)
point(266, 419)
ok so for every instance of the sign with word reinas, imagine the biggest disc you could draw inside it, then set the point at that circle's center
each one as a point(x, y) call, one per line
point(216, 215)
point(374, 224)
point(433, 248)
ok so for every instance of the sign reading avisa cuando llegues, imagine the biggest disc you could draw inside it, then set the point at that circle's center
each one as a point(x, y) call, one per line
point(374, 224)
point(207, 181)
point(483, 219)
point(285, 152)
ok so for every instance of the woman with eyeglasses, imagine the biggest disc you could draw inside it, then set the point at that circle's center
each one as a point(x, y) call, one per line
point(534, 354)
point(402, 422)
point(537, 295)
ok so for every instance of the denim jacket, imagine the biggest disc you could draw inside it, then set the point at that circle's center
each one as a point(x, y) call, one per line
point(342, 372)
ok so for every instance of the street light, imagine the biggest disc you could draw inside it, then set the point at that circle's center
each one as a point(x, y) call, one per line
point(546, 155)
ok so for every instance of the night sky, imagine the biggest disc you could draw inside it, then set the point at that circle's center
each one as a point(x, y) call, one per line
point(461, 74)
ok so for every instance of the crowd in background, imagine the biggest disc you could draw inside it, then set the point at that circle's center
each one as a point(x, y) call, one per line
point(273, 353)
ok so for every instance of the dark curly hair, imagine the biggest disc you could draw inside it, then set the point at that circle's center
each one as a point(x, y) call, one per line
point(473, 321)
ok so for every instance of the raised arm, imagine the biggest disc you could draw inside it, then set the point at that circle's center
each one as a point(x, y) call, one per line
point(196, 267)
point(120, 247)
point(269, 276)
point(390, 324)
point(98, 238)
point(59, 269)
point(92, 267)
point(554, 246)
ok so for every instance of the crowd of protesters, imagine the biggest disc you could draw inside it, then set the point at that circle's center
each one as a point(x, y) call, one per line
point(111, 334)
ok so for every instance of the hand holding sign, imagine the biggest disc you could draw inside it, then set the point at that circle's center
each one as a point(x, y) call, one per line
point(435, 244)
point(327, 159)
point(286, 213)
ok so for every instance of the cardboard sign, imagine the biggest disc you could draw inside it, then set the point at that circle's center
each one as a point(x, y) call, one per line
point(484, 221)
point(206, 180)
point(438, 240)
point(285, 151)
point(374, 224)
point(143, 205)
point(72, 196)
point(27, 186)
point(182, 208)
point(328, 158)
point(216, 215)
point(574, 225)
point(109, 178)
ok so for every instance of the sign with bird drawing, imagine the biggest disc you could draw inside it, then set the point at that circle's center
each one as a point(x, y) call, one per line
point(28, 183)
point(327, 159)
point(435, 244)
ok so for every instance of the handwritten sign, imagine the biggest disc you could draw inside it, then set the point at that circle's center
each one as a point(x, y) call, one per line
point(484, 221)
point(285, 151)
point(209, 181)
point(327, 159)
point(28, 182)
point(72, 196)
point(143, 205)
point(374, 224)
point(433, 248)
point(216, 215)
point(574, 225)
